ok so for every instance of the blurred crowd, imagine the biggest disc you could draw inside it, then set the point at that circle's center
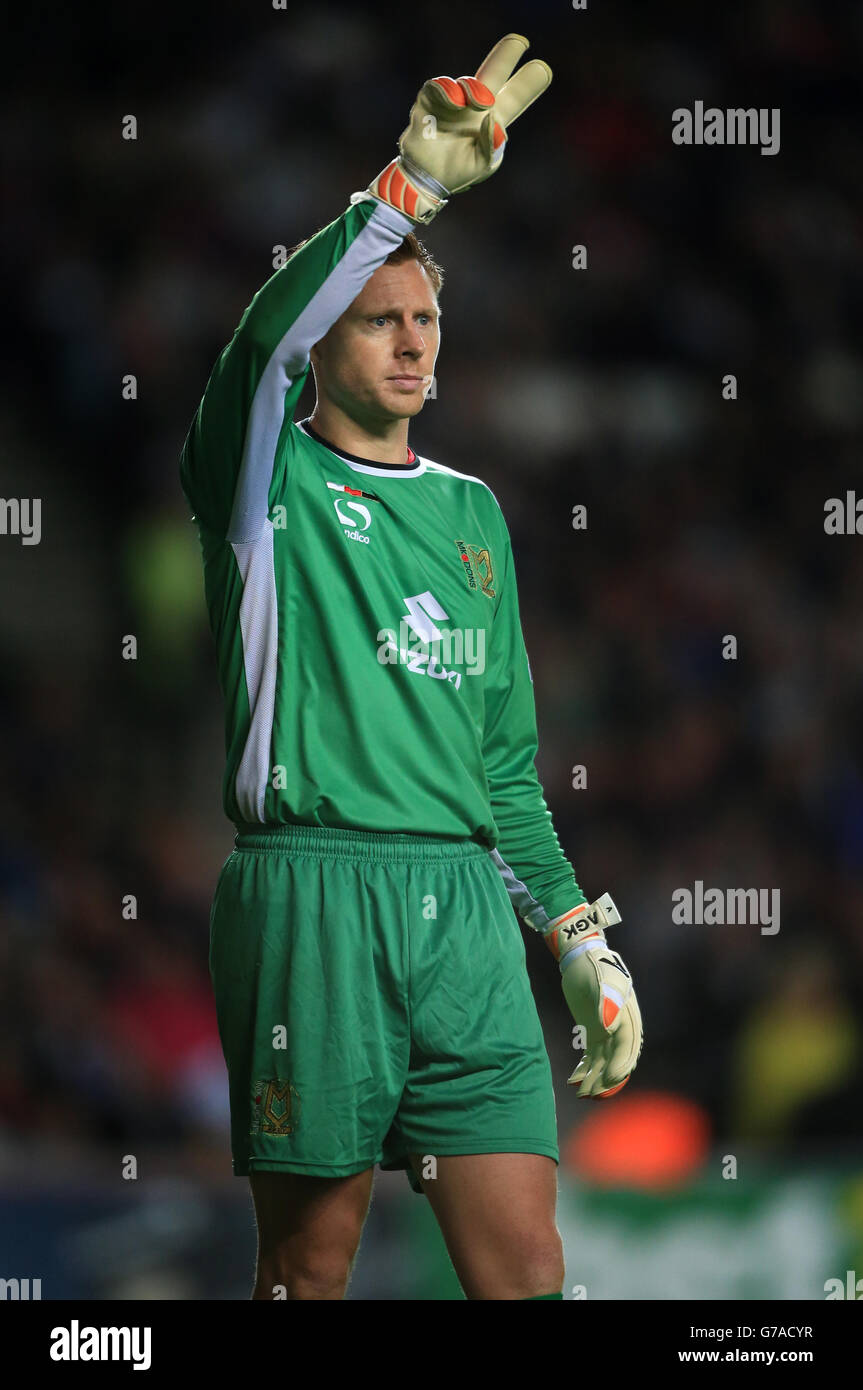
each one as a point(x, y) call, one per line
point(601, 387)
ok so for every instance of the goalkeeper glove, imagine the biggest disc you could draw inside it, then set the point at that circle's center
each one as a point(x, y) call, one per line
point(456, 136)
point(598, 989)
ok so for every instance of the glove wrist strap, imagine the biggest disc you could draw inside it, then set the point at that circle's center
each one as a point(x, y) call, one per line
point(423, 179)
point(410, 190)
point(581, 923)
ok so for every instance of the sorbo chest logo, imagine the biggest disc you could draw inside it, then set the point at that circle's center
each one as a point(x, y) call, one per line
point(439, 652)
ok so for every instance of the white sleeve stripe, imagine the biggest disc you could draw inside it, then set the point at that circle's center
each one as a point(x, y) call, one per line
point(383, 233)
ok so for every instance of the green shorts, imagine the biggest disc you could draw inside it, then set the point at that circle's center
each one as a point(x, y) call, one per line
point(373, 1001)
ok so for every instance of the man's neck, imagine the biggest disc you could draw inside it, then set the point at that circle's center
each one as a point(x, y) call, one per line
point(343, 434)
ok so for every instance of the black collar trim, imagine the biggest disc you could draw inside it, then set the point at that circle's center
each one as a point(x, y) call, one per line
point(355, 458)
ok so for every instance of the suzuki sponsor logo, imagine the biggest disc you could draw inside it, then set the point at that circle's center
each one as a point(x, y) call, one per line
point(438, 651)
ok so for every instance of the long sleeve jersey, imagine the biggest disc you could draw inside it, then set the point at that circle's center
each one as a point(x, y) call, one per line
point(365, 615)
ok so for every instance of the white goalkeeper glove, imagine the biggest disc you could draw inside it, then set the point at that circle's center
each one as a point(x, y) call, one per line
point(598, 989)
point(457, 131)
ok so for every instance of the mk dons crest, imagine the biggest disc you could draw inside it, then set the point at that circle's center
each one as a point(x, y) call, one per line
point(478, 569)
point(275, 1108)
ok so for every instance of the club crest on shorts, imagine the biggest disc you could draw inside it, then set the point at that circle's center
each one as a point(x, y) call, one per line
point(476, 561)
point(275, 1107)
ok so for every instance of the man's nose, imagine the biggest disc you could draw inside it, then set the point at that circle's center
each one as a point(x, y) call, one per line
point(412, 341)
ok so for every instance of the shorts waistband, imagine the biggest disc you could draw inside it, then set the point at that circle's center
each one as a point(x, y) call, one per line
point(375, 846)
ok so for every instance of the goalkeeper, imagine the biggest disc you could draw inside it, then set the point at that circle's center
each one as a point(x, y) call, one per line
point(369, 971)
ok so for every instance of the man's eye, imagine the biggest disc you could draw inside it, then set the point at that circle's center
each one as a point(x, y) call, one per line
point(382, 318)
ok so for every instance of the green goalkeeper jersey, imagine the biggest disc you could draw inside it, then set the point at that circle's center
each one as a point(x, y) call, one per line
point(365, 615)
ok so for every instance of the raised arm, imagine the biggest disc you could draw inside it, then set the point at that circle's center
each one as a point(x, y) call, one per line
point(230, 455)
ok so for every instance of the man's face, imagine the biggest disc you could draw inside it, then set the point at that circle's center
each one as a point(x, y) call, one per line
point(391, 330)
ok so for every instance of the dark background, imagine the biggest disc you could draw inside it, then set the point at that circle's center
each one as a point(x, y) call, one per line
point(558, 387)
